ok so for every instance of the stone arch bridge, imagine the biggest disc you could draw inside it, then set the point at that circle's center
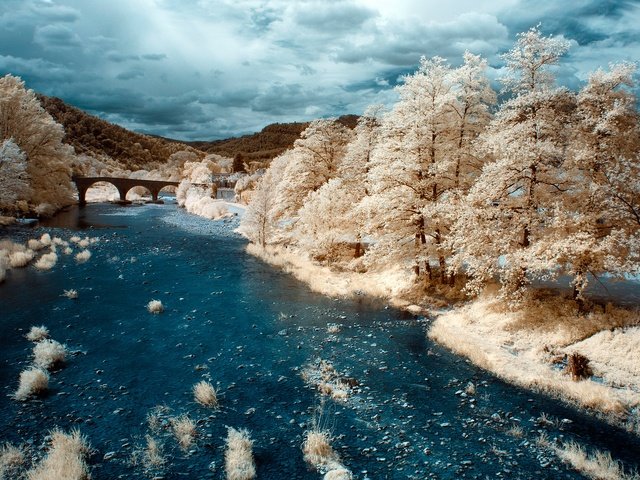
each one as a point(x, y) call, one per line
point(122, 184)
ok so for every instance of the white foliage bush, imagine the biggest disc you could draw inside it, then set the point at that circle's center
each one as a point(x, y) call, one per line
point(197, 200)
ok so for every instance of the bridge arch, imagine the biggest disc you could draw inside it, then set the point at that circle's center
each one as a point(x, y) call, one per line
point(123, 185)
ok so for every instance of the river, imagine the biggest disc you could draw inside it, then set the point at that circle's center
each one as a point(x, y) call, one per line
point(251, 329)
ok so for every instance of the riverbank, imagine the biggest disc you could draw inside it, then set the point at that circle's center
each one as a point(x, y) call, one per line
point(528, 347)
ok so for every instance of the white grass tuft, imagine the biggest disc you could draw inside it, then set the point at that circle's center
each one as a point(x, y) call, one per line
point(598, 466)
point(65, 460)
point(184, 429)
point(33, 381)
point(84, 243)
point(37, 334)
point(75, 239)
point(49, 353)
point(238, 457)
point(339, 473)
point(72, 294)
point(67, 250)
point(12, 459)
point(205, 394)
point(83, 256)
point(155, 306)
point(35, 245)
point(21, 258)
point(45, 239)
point(47, 261)
point(317, 449)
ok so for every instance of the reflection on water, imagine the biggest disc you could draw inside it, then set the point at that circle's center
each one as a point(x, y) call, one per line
point(249, 329)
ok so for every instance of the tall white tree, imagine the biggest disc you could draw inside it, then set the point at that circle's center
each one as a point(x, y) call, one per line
point(314, 160)
point(23, 119)
point(602, 231)
point(331, 216)
point(506, 222)
point(14, 180)
point(408, 166)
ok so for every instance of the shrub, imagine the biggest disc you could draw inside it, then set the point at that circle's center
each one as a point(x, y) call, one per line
point(65, 460)
point(49, 353)
point(205, 394)
point(155, 306)
point(238, 457)
point(184, 429)
point(37, 334)
point(33, 381)
point(578, 366)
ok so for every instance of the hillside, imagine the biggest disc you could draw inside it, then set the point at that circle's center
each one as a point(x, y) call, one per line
point(270, 142)
point(134, 151)
point(96, 137)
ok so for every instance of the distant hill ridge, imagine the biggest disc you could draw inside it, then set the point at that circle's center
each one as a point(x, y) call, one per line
point(94, 136)
point(270, 142)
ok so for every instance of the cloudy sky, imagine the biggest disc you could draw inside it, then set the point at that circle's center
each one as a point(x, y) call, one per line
point(207, 69)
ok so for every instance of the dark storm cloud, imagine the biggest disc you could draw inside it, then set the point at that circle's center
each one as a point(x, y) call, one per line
point(210, 68)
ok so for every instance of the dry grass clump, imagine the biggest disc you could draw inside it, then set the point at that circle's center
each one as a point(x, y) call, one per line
point(578, 366)
point(83, 256)
point(66, 458)
point(47, 261)
point(35, 245)
point(184, 429)
point(49, 353)
point(205, 394)
point(334, 328)
point(37, 334)
point(72, 294)
point(155, 307)
point(317, 448)
point(12, 459)
point(598, 466)
point(33, 381)
point(238, 457)
point(340, 473)
point(45, 239)
point(153, 455)
point(20, 259)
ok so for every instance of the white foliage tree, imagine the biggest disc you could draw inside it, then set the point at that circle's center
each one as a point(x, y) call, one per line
point(14, 181)
point(602, 232)
point(505, 226)
point(23, 119)
point(331, 216)
point(314, 160)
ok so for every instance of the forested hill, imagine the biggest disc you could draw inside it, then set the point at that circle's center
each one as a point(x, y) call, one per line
point(270, 142)
point(96, 137)
point(134, 151)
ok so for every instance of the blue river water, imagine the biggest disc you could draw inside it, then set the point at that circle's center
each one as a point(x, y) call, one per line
point(250, 329)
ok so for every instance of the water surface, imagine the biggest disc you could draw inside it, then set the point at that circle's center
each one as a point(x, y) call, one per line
point(250, 329)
